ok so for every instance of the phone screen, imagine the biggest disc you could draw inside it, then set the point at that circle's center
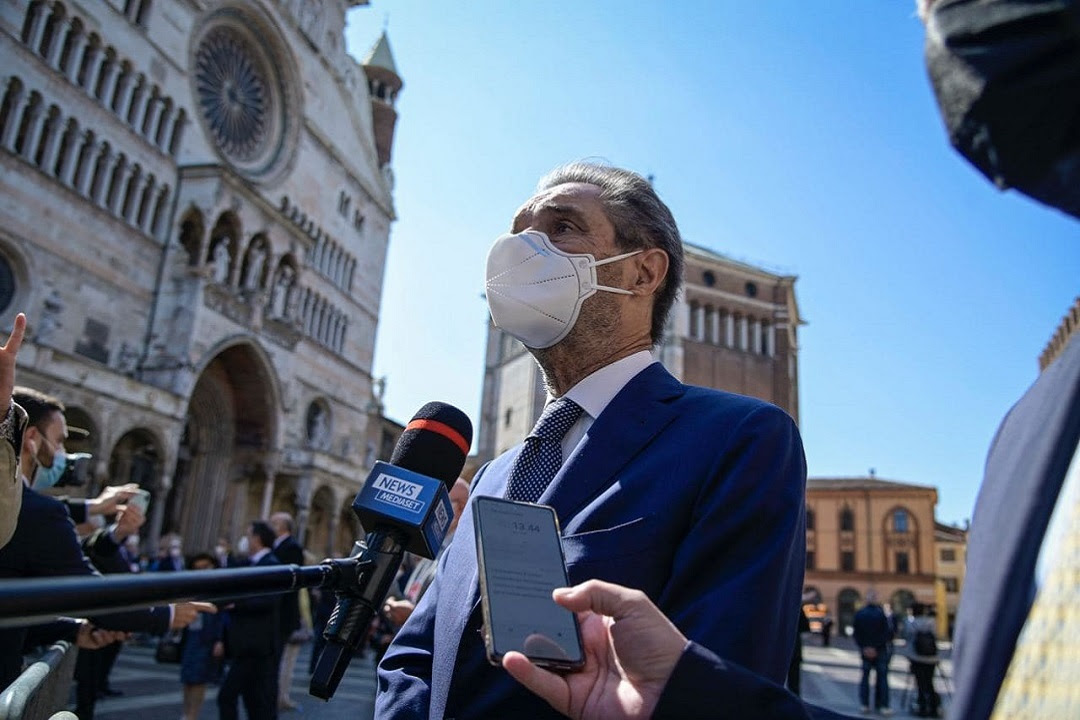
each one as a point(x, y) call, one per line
point(521, 562)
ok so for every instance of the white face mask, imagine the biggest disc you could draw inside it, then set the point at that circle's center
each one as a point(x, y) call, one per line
point(535, 290)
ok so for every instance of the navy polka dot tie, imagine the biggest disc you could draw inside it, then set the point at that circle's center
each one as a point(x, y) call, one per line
point(542, 457)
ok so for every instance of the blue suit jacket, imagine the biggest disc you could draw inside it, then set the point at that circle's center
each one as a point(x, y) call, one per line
point(1024, 473)
point(694, 496)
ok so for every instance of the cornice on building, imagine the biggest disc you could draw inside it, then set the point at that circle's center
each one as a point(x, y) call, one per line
point(863, 483)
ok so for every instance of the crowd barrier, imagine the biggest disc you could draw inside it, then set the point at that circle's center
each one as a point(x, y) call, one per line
point(42, 690)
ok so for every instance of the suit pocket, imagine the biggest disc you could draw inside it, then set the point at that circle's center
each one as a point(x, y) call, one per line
point(628, 539)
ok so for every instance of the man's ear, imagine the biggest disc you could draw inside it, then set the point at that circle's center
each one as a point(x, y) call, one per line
point(31, 440)
point(652, 269)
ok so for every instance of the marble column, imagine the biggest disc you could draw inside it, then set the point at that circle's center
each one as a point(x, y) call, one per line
point(108, 86)
point(55, 124)
point(268, 494)
point(78, 47)
point(70, 161)
point(157, 511)
point(84, 174)
point(19, 104)
point(37, 27)
point(60, 33)
point(124, 85)
point(165, 126)
point(33, 130)
point(100, 190)
point(115, 198)
point(131, 212)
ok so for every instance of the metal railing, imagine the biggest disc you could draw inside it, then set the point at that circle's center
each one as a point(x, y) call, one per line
point(41, 691)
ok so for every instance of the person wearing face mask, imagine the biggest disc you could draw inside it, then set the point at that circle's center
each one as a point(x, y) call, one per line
point(170, 556)
point(45, 544)
point(693, 496)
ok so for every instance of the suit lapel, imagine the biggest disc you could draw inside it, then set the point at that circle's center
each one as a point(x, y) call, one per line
point(627, 425)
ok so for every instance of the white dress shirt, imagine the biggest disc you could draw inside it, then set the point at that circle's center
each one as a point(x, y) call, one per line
point(596, 391)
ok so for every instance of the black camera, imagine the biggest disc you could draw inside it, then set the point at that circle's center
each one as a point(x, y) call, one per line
point(76, 470)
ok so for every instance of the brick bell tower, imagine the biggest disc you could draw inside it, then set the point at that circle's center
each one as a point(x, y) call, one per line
point(384, 84)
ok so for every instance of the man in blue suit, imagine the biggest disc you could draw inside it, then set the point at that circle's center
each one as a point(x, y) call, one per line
point(693, 496)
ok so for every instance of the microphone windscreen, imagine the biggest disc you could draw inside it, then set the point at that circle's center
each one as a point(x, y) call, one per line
point(435, 442)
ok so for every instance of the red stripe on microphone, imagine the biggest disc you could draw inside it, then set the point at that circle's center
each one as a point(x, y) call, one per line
point(441, 428)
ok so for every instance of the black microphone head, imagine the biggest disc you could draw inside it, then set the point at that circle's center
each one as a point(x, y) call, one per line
point(435, 442)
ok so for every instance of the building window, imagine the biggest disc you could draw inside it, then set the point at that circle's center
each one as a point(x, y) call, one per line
point(809, 559)
point(751, 289)
point(847, 520)
point(709, 277)
point(948, 555)
point(903, 567)
point(809, 519)
point(900, 520)
point(847, 561)
point(509, 416)
point(951, 584)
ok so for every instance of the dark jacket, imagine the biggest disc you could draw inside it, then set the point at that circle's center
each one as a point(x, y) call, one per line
point(289, 552)
point(872, 627)
point(252, 625)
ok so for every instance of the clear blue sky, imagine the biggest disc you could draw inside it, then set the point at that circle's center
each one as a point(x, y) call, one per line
point(801, 136)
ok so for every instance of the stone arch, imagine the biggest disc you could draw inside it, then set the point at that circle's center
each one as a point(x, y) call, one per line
point(227, 453)
point(847, 601)
point(136, 457)
point(900, 601)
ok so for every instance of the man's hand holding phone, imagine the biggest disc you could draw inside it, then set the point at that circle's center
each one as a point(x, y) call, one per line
point(631, 649)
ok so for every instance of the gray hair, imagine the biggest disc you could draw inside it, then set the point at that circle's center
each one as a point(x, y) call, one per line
point(641, 220)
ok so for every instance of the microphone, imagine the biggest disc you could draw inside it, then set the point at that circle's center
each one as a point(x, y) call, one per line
point(407, 505)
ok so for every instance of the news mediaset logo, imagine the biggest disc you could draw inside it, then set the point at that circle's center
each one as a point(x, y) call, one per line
point(399, 493)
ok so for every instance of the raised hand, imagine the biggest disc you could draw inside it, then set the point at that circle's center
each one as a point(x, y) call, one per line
point(7, 361)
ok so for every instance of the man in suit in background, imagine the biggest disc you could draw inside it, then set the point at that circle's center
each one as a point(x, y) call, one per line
point(694, 496)
point(288, 552)
point(253, 641)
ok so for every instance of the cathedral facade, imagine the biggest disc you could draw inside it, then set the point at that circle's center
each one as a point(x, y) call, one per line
point(195, 207)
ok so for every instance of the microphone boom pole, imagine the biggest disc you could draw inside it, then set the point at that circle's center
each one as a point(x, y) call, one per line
point(25, 602)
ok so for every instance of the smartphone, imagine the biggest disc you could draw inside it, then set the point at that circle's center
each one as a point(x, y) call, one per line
point(141, 499)
point(521, 562)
